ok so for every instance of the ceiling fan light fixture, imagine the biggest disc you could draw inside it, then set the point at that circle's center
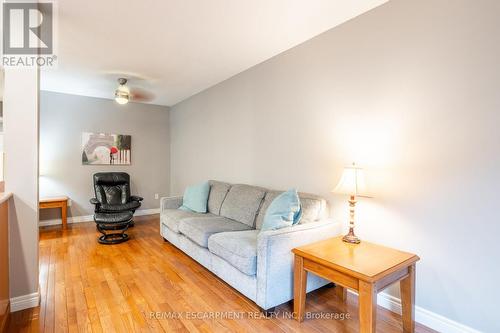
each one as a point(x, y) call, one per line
point(124, 94)
point(121, 97)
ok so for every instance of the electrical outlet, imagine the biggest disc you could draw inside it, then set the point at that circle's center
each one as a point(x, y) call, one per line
point(157, 196)
point(70, 202)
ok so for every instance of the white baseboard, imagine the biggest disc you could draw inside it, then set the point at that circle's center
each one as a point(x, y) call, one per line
point(143, 212)
point(423, 316)
point(89, 218)
point(25, 302)
point(74, 219)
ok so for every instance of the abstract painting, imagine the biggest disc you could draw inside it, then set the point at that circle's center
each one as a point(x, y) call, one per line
point(106, 149)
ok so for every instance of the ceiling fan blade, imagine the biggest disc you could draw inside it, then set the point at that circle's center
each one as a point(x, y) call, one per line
point(141, 95)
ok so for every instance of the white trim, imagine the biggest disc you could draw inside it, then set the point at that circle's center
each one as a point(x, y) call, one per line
point(89, 218)
point(25, 302)
point(390, 303)
point(75, 219)
point(423, 316)
point(143, 212)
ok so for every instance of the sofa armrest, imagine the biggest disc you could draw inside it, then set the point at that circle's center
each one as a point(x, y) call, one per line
point(275, 260)
point(170, 203)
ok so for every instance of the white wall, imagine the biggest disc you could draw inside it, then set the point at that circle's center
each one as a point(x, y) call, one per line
point(20, 112)
point(410, 91)
point(64, 117)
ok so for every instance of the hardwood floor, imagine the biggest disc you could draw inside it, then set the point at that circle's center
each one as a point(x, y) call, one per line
point(148, 285)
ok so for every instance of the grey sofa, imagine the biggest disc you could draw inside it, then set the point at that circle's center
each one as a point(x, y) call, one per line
point(227, 240)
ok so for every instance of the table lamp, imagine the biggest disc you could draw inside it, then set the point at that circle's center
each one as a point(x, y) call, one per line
point(352, 183)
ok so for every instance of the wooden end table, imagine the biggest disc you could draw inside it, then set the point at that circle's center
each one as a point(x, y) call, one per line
point(56, 202)
point(366, 268)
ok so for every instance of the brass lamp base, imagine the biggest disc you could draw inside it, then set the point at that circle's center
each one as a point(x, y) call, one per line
point(351, 237)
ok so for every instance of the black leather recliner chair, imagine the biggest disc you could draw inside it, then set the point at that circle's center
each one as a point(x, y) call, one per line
point(112, 193)
point(114, 206)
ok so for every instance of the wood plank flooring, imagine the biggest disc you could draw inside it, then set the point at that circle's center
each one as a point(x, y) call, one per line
point(148, 285)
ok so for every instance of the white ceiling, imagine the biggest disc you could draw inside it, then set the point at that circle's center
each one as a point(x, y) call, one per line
point(180, 47)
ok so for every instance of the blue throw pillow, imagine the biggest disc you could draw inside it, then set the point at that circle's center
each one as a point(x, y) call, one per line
point(196, 198)
point(284, 211)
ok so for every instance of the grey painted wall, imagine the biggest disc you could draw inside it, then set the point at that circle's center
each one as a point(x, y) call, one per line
point(64, 117)
point(410, 91)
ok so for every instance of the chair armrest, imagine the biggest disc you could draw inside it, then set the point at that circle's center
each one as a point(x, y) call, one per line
point(96, 203)
point(275, 259)
point(136, 198)
point(170, 202)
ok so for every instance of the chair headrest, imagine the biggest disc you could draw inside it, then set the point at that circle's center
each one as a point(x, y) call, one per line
point(111, 178)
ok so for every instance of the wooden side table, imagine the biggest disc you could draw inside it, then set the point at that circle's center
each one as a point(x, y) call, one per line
point(57, 202)
point(366, 268)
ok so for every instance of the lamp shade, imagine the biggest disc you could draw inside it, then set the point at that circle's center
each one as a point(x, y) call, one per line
point(352, 181)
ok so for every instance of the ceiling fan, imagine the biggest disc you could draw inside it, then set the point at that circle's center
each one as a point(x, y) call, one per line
point(124, 94)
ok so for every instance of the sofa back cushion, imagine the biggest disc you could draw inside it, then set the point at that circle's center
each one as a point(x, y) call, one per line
point(242, 203)
point(313, 207)
point(270, 196)
point(218, 192)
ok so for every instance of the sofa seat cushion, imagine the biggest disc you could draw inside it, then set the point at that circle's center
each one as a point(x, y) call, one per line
point(242, 203)
point(239, 248)
point(173, 217)
point(199, 229)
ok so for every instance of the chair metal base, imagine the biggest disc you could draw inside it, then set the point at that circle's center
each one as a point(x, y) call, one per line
point(115, 238)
